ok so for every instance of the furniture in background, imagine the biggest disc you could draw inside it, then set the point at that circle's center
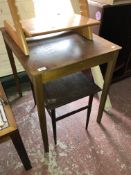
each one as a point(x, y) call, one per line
point(115, 26)
point(65, 90)
point(8, 128)
point(54, 57)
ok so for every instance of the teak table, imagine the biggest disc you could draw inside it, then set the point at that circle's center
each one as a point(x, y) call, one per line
point(55, 56)
point(9, 129)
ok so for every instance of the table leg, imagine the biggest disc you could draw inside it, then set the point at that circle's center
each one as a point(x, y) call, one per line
point(14, 70)
point(99, 80)
point(39, 96)
point(17, 141)
point(108, 77)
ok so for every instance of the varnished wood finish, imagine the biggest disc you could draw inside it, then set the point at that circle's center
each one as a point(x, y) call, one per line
point(84, 11)
point(108, 77)
point(16, 33)
point(38, 89)
point(80, 7)
point(34, 27)
point(12, 132)
point(61, 55)
point(18, 143)
point(46, 25)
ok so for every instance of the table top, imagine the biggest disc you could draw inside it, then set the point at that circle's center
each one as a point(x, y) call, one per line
point(62, 51)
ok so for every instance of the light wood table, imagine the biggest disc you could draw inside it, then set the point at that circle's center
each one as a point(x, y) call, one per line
point(9, 129)
point(53, 57)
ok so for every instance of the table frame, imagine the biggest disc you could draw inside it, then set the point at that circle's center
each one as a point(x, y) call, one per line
point(40, 77)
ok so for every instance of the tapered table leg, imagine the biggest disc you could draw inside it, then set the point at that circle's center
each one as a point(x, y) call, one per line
point(17, 141)
point(39, 96)
point(108, 76)
point(14, 70)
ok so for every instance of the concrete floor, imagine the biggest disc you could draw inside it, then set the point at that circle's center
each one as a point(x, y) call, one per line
point(104, 149)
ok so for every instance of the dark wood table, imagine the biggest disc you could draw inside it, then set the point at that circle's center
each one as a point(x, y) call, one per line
point(60, 55)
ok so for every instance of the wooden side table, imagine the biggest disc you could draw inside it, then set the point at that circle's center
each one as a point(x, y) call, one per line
point(8, 128)
point(57, 56)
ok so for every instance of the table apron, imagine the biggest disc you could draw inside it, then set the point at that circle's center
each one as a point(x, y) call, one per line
point(76, 67)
